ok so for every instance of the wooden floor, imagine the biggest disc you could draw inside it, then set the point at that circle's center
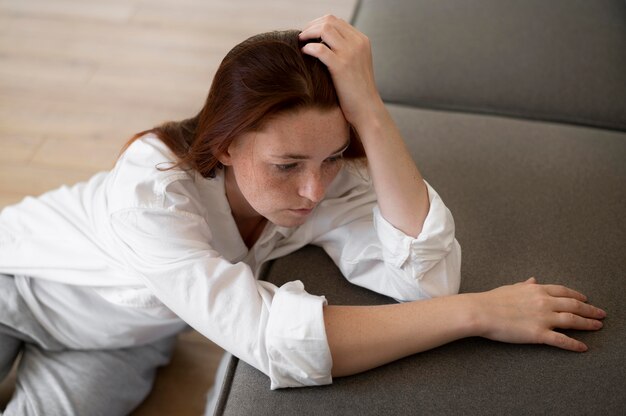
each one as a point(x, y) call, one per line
point(78, 77)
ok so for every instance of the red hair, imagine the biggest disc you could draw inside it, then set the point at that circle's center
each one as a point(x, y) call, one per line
point(261, 77)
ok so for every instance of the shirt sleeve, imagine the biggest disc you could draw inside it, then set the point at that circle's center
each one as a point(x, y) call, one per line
point(374, 254)
point(280, 331)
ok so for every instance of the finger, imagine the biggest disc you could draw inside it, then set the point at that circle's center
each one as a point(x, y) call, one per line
point(559, 340)
point(527, 281)
point(311, 32)
point(328, 34)
point(319, 51)
point(565, 292)
point(568, 320)
point(331, 37)
point(324, 28)
point(577, 307)
point(324, 19)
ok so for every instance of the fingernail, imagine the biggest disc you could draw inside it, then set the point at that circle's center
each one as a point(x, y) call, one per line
point(598, 324)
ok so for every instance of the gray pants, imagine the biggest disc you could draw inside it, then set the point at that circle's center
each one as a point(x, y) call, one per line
point(53, 380)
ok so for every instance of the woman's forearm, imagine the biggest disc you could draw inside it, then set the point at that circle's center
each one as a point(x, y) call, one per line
point(400, 188)
point(402, 194)
point(364, 337)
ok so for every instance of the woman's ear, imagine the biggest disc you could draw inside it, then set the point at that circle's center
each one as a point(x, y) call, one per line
point(226, 158)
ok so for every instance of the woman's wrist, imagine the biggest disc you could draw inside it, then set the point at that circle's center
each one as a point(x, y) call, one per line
point(471, 318)
point(371, 121)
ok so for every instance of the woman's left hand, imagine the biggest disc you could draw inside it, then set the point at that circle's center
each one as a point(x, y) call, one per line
point(347, 54)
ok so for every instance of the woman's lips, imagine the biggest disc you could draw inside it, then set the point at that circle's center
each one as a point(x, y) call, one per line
point(302, 211)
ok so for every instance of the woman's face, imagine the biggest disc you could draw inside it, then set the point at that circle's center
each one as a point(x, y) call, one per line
point(282, 171)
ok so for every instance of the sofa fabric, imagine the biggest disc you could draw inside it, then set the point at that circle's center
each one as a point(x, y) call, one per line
point(522, 131)
point(529, 199)
point(559, 60)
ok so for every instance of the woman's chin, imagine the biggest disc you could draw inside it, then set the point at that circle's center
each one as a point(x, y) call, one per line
point(290, 219)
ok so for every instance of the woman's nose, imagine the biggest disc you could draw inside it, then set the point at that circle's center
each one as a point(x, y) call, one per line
point(313, 188)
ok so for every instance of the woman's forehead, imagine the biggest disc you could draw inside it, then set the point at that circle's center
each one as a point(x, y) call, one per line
point(309, 131)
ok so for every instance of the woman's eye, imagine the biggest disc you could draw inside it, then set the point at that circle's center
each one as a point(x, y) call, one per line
point(334, 159)
point(286, 167)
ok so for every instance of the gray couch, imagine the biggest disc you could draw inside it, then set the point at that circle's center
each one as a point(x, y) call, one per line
point(515, 111)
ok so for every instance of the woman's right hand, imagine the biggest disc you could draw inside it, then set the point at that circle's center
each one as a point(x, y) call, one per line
point(529, 313)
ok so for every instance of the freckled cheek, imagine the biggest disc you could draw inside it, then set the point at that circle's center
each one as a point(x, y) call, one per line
point(330, 173)
point(279, 189)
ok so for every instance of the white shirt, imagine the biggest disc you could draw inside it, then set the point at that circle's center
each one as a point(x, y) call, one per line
point(135, 254)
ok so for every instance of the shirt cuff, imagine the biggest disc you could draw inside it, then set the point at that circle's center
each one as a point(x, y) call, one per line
point(296, 339)
point(432, 244)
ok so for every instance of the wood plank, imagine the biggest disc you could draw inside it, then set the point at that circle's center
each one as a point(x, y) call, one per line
point(85, 155)
point(19, 149)
point(113, 11)
point(9, 198)
point(34, 179)
point(24, 71)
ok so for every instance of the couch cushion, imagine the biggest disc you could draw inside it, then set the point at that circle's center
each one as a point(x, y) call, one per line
point(561, 60)
point(528, 198)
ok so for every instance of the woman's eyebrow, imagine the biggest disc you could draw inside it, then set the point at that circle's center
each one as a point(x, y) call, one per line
point(300, 157)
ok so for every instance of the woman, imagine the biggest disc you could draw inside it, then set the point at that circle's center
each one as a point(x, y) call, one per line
point(98, 278)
